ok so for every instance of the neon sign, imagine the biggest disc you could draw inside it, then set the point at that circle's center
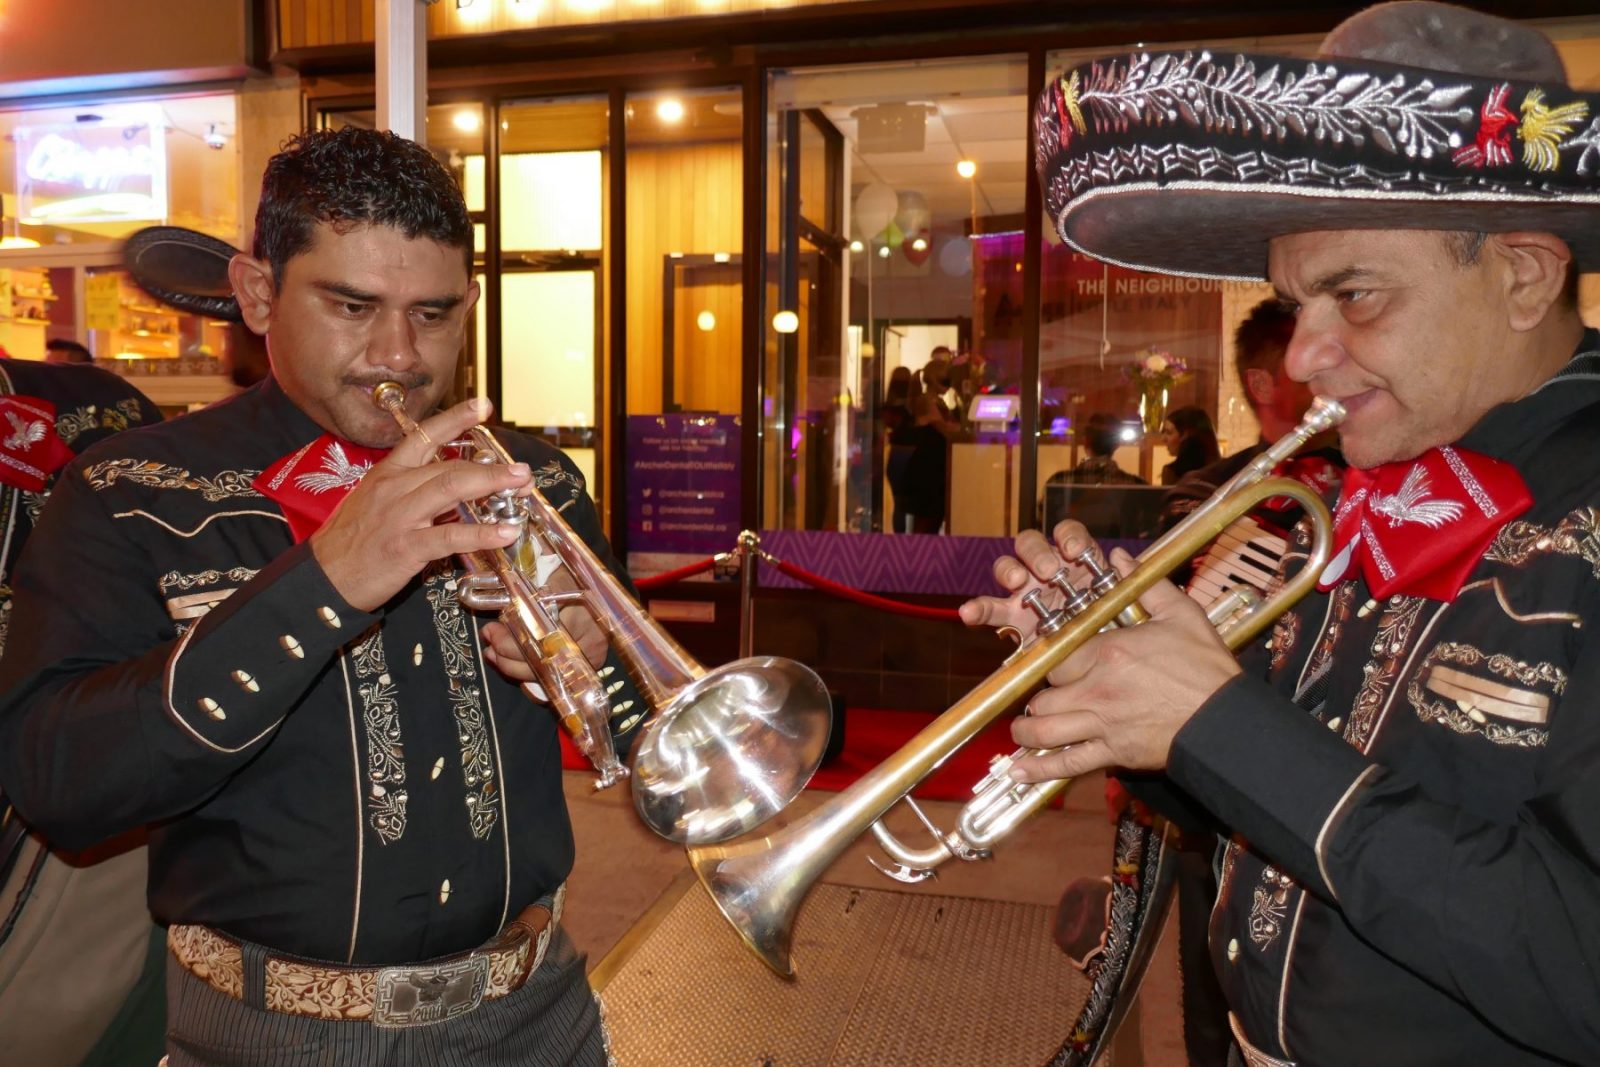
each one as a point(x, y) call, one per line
point(111, 170)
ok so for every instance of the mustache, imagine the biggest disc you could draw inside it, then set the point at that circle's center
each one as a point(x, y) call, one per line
point(369, 382)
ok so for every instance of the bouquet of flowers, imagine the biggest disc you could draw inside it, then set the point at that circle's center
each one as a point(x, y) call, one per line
point(1154, 372)
point(1155, 368)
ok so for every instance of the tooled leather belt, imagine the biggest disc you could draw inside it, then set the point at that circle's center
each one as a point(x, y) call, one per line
point(418, 994)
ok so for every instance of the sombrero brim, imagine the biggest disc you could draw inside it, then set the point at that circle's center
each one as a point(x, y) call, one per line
point(183, 268)
point(1192, 162)
point(1225, 233)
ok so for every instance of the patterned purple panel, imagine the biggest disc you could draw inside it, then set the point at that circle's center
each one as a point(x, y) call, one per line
point(892, 563)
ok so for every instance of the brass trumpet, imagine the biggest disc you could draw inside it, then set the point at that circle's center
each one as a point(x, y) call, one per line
point(759, 884)
point(725, 750)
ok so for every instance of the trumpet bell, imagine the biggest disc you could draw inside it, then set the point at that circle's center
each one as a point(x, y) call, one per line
point(731, 750)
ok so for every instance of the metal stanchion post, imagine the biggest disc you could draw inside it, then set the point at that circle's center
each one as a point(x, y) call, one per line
point(749, 557)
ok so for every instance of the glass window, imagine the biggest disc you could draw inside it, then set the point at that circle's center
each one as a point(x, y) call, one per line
point(554, 173)
point(894, 289)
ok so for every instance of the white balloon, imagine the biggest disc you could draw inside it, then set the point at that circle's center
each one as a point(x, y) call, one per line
point(875, 208)
point(955, 258)
point(913, 216)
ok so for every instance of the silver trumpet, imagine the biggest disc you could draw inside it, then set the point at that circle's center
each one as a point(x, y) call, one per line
point(760, 883)
point(725, 749)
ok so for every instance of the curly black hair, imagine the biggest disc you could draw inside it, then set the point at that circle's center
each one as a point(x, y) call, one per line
point(1262, 339)
point(354, 177)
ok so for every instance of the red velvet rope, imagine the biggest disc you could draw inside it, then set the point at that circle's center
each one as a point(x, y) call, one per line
point(916, 611)
point(668, 577)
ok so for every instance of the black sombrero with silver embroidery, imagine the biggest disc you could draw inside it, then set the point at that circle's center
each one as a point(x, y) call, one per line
point(1415, 115)
point(183, 268)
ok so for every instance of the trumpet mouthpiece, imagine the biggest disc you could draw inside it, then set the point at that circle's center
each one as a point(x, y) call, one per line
point(389, 395)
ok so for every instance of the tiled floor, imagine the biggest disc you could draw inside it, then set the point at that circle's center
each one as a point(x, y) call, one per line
point(622, 869)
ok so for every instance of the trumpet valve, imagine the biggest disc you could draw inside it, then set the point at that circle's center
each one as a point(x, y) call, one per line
point(1050, 619)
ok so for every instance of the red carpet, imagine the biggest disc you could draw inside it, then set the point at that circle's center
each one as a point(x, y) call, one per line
point(871, 735)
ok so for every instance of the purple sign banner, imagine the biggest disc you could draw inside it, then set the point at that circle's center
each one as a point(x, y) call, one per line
point(683, 483)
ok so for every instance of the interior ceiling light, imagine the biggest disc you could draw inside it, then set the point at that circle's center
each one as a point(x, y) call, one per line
point(467, 120)
point(14, 241)
point(786, 322)
point(670, 110)
point(966, 168)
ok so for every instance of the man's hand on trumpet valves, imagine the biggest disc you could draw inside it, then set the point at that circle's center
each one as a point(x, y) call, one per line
point(1036, 561)
point(383, 533)
point(502, 650)
point(1121, 698)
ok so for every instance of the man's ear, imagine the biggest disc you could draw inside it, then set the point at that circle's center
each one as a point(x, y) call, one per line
point(1259, 386)
point(253, 288)
point(1536, 279)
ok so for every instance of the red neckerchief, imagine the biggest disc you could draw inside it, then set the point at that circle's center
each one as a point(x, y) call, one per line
point(1318, 472)
point(1418, 528)
point(30, 451)
point(311, 481)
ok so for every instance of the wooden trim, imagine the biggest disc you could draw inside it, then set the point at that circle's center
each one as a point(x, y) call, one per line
point(1032, 267)
point(613, 442)
point(752, 378)
point(493, 268)
point(858, 30)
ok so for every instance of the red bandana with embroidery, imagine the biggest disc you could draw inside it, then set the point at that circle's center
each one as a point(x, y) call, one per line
point(30, 451)
point(1419, 528)
point(309, 482)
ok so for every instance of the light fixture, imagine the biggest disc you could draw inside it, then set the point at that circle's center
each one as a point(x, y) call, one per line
point(670, 110)
point(857, 246)
point(706, 321)
point(17, 241)
point(215, 138)
point(1129, 434)
point(966, 168)
point(462, 5)
point(467, 120)
point(720, 257)
point(786, 322)
point(920, 244)
point(883, 252)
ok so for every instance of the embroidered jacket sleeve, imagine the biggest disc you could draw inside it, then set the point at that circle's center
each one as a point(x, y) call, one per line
point(107, 722)
point(1457, 898)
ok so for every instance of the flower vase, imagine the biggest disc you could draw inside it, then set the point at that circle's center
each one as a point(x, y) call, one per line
point(1152, 406)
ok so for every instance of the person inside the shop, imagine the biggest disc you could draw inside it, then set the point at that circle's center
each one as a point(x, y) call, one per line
point(1405, 777)
point(1190, 440)
point(243, 630)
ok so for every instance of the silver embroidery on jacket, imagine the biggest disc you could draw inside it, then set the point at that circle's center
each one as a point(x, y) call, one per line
point(380, 713)
point(180, 581)
point(154, 475)
point(466, 701)
point(1578, 534)
point(1465, 717)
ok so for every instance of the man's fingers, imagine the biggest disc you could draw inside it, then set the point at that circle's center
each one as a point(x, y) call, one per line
point(458, 538)
point(1162, 598)
point(444, 485)
point(989, 611)
point(441, 428)
point(1044, 730)
point(1037, 554)
point(1072, 762)
point(1072, 538)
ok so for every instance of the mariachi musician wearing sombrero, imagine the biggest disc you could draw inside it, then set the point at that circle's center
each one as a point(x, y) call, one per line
point(1406, 778)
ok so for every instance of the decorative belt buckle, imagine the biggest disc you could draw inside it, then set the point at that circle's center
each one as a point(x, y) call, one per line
point(422, 996)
